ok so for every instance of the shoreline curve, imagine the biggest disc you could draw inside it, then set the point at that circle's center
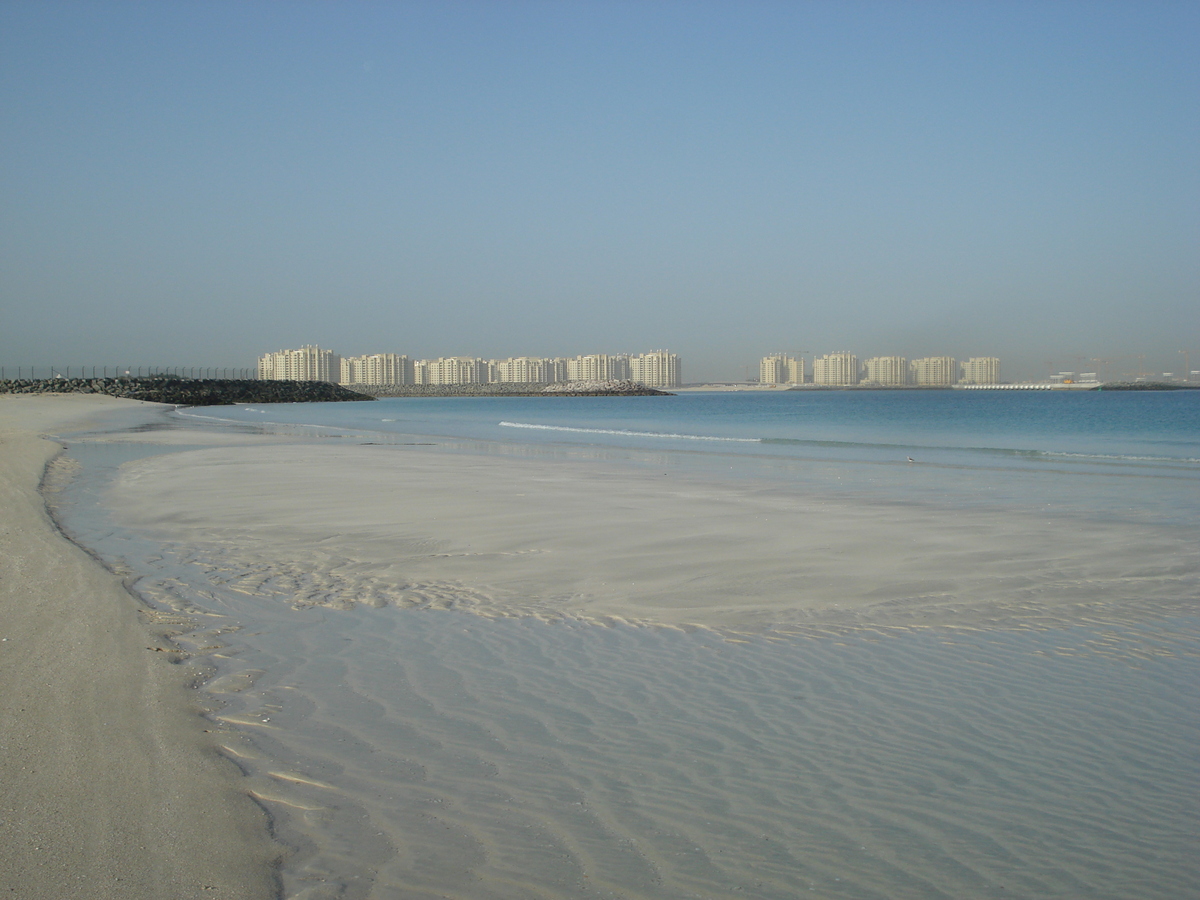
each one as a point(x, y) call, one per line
point(113, 789)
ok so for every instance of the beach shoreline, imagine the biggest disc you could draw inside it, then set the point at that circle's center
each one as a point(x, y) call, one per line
point(112, 786)
point(345, 519)
point(395, 637)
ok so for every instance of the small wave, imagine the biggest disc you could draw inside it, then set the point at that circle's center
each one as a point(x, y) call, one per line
point(1012, 452)
point(185, 414)
point(626, 433)
point(815, 442)
point(284, 427)
point(1120, 458)
point(1083, 457)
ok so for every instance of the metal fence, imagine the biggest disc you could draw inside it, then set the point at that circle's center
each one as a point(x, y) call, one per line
point(33, 373)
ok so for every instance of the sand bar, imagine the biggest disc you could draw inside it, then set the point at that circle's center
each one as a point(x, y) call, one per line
point(343, 523)
point(112, 788)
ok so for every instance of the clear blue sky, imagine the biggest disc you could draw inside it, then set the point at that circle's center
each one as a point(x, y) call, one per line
point(196, 183)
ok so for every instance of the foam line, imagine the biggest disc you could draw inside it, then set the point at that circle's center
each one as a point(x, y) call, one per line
point(625, 433)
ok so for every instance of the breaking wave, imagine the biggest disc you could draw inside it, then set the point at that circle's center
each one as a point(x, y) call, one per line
point(627, 433)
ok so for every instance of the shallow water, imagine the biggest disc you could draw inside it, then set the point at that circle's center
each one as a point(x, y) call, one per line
point(423, 753)
point(1119, 453)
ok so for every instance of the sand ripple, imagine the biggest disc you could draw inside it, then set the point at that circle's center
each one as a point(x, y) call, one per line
point(1043, 746)
point(434, 754)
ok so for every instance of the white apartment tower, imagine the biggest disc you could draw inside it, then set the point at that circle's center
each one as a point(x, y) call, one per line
point(795, 369)
point(772, 369)
point(309, 363)
point(522, 370)
point(598, 367)
point(657, 369)
point(981, 370)
point(887, 370)
point(779, 368)
point(451, 370)
point(934, 371)
point(377, 369)
point(836, 368)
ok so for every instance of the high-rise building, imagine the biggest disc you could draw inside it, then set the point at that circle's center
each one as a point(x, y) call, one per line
point(309, 363)
point(657, 369)
point(886, 370)
point(378, 368)
point(522, 370)
point(598, 367)
point(795, 370)
point(934, 371)
point(836, 368)
point(980, 370)
point(779, 368)
point(451, 370)
point(772, 369)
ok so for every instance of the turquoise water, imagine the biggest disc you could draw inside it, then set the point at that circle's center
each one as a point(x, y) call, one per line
point(419, 753)
point(959, 426)
point(1117, 453)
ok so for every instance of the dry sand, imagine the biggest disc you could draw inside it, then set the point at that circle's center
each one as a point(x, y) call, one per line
point(111, 788)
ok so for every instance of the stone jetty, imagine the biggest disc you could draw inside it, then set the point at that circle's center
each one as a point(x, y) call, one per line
point(227, 391)
point(189, 391)
point(1147, 386)
point(516, 389)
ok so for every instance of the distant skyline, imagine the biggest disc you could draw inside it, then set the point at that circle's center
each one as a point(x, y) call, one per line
point(195, 184)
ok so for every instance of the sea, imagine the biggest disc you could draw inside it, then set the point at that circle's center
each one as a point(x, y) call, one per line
point(424, 753)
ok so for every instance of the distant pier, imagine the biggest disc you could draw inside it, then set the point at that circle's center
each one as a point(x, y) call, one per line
point(1083, 386)
point(1034, 386)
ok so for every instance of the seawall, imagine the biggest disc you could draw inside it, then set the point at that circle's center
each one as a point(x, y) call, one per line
point(190, 391)
point(515, 389)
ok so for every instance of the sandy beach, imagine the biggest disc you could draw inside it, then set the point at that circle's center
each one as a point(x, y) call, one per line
point(112, 788)
point(797, 688)
point(417, 526)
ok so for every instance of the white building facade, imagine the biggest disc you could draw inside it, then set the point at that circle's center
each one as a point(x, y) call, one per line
point(980, 370)
point(891, 371)
point(598, 367)
point(378, 368)
point(451, 370)
point(839, 368)
point(657, 369)
point(779, 368)
point(309, 363)
point(523, 370)
point(934, 371)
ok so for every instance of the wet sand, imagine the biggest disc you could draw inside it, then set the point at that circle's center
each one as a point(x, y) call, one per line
point(111, 787)
point(924, 701)
point(416, 526)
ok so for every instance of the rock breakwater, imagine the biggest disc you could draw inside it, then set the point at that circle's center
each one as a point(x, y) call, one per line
point(189, 391)
point(1146, 386)
point(515, 389)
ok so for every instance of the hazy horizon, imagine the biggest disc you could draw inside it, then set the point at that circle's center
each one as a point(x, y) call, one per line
point(196, 184)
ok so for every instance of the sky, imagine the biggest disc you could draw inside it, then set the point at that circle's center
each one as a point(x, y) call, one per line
point(198, 183)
